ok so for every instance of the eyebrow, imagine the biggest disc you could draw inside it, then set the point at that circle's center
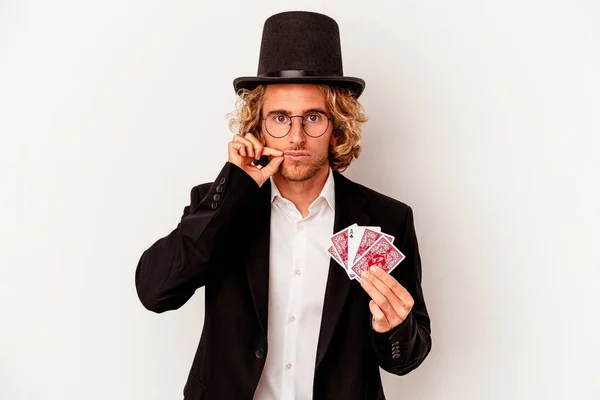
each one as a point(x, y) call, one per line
point(304, 112)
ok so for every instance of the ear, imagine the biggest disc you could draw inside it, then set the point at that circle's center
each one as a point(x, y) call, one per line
point(333, 140)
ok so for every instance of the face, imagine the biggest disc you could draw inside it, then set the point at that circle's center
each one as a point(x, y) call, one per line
point(304, 156)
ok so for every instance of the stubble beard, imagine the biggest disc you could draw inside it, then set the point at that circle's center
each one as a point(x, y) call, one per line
point(294, 171)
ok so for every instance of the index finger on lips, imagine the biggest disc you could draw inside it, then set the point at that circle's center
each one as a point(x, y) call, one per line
point(268, 151)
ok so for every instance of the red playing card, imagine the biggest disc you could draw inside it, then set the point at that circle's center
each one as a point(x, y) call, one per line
point(340, 242)
point(382, 254)
point(369, 237)
point(334, 255)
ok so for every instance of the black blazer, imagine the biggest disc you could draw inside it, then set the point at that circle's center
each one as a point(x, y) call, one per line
point(222, 243)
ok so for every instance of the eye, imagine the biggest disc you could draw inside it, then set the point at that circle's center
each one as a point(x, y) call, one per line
point(279, 118)
point(313, 117)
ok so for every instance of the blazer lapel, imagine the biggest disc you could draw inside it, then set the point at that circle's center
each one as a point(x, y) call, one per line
point(257, 261)
point(348, 210)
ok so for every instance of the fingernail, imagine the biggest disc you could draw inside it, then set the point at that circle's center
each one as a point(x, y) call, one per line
point(375, 269)
point(366, 275)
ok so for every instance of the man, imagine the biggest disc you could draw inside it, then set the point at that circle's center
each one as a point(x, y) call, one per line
point(282, 320)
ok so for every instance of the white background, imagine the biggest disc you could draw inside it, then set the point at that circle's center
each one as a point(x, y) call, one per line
point(484, 118)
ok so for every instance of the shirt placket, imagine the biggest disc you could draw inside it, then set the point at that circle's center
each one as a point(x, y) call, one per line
point(293, 311)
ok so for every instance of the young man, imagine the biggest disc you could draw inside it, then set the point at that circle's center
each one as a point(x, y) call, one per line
point(283, 320)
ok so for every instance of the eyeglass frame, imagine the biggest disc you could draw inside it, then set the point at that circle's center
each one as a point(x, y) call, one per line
point(291, 123)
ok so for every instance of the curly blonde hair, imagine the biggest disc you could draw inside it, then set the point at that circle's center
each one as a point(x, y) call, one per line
point(347, 112)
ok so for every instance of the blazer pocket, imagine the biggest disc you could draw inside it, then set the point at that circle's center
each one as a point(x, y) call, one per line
point(194, 389)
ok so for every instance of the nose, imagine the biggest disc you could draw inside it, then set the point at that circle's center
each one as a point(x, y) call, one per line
point(296, 135)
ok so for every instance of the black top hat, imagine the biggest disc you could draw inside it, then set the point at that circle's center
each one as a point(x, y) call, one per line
point(300, 47)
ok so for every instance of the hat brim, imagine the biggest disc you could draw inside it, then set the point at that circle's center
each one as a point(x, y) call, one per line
point(356, 85)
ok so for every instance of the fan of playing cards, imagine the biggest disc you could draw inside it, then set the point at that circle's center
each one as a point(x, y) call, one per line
point(357, 248)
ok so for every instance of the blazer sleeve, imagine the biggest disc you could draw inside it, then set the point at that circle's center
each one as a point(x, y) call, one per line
point(404, 348)
point(170, 271)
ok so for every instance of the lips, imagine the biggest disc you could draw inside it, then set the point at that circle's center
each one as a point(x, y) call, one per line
point(295, 155)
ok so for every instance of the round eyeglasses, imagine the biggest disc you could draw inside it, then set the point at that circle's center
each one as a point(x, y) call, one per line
point(314, 124)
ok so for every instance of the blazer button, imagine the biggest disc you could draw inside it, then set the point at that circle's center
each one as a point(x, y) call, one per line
point(260, 353)
point(222, 181)
point(217, 197)
point(219, 189)
point(214, 205)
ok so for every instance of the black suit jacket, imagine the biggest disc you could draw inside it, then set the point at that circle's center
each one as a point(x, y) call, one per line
point(222, 243)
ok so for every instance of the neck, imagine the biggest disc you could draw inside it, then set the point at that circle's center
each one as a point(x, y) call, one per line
point(302, 193)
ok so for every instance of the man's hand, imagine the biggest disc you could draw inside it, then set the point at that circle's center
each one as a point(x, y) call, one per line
point(244, 150)
point(391, 301)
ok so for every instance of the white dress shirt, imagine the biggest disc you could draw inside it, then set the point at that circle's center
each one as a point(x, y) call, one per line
point(298, 270)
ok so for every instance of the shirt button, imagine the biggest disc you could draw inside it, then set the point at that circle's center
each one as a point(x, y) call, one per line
point(298, 272)
point(292, 319)
point(289, 366)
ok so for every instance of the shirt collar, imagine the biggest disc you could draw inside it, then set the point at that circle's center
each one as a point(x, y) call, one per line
point(327, 193)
